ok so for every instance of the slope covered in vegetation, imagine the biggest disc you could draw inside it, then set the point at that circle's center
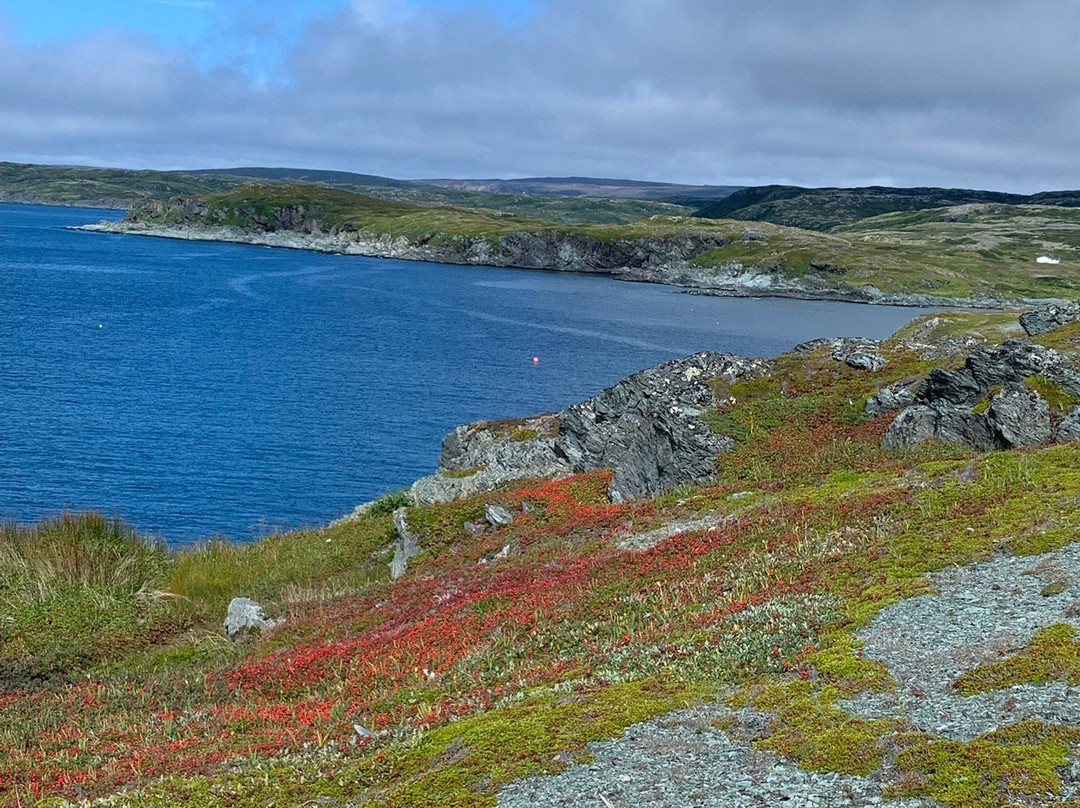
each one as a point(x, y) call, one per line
point(825, 208)
point(505, 649)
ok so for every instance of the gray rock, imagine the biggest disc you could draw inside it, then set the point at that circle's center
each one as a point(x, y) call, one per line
point(1012, 361)
point(482, 456)
point(1068, 430)
point(406, 544)
point(859, 354)
point(889, 399)
point(1048, 317)
point(963, 427)
point(245, 616)
point(1019, 417)
point(911, 427)
point(953, 386)
point(647, 429)
point(498, 516)
point(990, 366)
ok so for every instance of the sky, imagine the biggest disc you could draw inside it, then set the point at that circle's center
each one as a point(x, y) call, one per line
point(955, 93)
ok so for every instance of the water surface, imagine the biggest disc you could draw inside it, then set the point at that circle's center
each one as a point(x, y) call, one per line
point(202, 389)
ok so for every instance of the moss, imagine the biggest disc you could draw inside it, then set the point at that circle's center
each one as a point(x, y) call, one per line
point(460, 474)
point(1059, 399)
point(993, 771)
point(464, 763)
point(1052, 655)
point(810, 730)
point(1053, 588)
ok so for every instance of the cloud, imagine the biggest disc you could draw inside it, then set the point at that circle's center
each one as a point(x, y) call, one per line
point(954, 92)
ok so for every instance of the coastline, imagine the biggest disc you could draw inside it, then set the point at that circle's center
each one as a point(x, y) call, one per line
point(731, 281)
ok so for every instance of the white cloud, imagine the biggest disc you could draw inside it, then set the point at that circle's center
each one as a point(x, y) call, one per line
point(841, 92)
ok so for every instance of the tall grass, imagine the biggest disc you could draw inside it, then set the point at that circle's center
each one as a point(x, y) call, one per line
point(73, 588)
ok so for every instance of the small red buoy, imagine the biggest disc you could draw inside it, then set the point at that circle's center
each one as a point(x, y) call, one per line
point(536, 360)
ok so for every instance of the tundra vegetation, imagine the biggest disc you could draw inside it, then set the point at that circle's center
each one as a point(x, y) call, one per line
point(980, 251)
point(503, 652)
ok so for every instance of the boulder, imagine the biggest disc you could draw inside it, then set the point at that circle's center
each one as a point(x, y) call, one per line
point(498, 516)
point(964, 427)
point(245, 616)
point(1048, 317)
point(406, 544)
point(1019, 417)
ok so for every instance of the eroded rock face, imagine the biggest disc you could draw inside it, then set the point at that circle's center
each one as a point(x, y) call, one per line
point(647, 428)
point(1019, 417)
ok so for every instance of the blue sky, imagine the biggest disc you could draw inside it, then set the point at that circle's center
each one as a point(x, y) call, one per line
point(184, 20)
point(961, 93)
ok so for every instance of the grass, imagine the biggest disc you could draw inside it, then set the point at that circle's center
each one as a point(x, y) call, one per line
point(503, 654)
point(968, 251)
point(73, 589)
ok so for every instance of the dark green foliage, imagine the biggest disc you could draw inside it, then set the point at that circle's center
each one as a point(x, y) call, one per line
point(825, 208)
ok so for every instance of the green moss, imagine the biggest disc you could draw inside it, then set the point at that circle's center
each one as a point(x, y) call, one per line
point(1053, 588)
point(1052, 655)
point(810, 730)
point(993, 771)
point(1059, 399)
point(464, 763)
point(461, 474)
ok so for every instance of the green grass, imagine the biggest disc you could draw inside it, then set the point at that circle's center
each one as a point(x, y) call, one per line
point(74, 589)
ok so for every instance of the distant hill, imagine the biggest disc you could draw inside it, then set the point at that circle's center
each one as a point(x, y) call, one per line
point(825, 208)
point(347, 178)
point(124, 188)
point(102, 187)
point(590, 186)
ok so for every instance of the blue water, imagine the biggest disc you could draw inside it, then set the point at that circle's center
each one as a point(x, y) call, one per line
point(201, 390)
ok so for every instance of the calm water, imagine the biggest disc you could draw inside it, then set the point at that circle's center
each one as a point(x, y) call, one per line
point(215, 389)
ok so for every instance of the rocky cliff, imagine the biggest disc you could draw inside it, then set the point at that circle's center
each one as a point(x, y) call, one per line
point(308, 227)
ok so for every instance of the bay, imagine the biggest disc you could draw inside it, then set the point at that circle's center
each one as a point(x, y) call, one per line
point(206, 389)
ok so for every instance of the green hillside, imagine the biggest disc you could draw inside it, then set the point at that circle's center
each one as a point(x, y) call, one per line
point(122, 188)
point(825, 208)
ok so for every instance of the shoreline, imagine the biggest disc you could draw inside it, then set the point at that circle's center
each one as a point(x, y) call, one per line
point(738, 281)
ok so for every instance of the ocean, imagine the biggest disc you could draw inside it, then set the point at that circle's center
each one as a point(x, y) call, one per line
point(202, 390)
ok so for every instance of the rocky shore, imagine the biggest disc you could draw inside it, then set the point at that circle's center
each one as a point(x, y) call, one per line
point(665, 260)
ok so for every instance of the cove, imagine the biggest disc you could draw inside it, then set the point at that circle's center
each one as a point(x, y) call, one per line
point(206, 389)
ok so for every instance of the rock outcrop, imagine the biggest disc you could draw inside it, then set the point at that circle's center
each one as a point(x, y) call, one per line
point(647, 429)
point(1047, 318)
point(987, 403)
point(406, 544)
